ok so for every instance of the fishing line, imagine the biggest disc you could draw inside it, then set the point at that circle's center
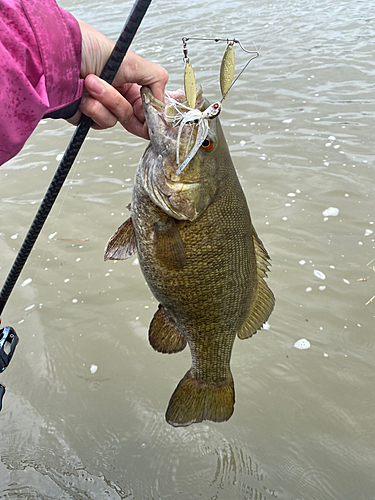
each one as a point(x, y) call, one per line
point(274, 24)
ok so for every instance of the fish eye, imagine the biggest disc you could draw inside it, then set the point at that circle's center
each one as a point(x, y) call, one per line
point(207, 144)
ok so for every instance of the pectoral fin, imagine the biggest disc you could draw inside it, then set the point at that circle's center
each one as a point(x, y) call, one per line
point(169, 245)
point(164, 335)
point(264, 301)
point(122, 244)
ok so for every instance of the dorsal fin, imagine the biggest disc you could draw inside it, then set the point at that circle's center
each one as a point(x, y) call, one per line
point(264, 300)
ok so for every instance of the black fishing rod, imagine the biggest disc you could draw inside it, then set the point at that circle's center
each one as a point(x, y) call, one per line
point(8, 336)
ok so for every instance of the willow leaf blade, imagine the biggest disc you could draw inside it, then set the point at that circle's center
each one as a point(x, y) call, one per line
point(227, 70)
point(190, 85)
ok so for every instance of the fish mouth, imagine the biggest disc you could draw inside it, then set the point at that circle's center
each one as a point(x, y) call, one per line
point(166, 188)
point(160, 117)
point(149, 99)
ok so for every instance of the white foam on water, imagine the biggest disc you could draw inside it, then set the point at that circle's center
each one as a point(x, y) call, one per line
point(319, 274)
point(302, 344)
point(331, 212)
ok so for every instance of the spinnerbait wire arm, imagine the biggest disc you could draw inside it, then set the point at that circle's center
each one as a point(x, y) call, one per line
point(256, 54)
point(217, 39)
point(229, 41)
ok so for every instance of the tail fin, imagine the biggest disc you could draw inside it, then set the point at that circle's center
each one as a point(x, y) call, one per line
point(194, 401)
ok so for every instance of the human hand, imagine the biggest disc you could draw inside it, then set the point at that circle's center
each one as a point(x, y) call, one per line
point(106, 104)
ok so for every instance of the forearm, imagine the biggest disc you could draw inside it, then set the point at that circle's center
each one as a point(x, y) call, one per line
point(40, 48)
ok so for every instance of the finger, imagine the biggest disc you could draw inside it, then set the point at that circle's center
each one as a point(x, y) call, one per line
point(109, 97)
point(74, 120)
point(136, 127)
point(102, 116)
point(158, 90)
point(133, 96)
point(135, 69)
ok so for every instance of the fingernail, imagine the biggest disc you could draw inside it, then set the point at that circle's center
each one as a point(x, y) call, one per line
point(94, 86)
point(83, 100)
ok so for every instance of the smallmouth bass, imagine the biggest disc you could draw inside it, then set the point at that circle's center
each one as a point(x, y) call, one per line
point(199, 254)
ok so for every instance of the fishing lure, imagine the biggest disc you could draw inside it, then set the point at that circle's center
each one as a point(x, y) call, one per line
point(194, 116)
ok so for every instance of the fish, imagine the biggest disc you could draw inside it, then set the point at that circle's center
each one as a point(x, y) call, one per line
point(199, 253)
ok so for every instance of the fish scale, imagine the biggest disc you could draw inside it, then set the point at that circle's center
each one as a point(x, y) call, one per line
point(201, 259)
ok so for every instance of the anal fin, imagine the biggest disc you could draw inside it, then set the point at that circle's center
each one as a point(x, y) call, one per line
point(264, 301)
point(122, 244)
point(163, 333)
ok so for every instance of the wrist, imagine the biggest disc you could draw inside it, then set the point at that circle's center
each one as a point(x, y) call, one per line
point(96, 49)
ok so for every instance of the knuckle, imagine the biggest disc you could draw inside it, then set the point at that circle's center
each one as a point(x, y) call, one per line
point(116, 102)
point(118, 105)
point(164, 76)
point(111, 122)
point(107, 121)
point(126, 117)
point(124, 111)
point(91, 107)
point(99, 113)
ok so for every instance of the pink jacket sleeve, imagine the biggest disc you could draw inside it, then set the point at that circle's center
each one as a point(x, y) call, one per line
point(40, 57)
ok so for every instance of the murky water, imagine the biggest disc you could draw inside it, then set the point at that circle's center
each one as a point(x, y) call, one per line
point(83, 415)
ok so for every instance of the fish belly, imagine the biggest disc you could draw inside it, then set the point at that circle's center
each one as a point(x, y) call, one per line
point(207, 299)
